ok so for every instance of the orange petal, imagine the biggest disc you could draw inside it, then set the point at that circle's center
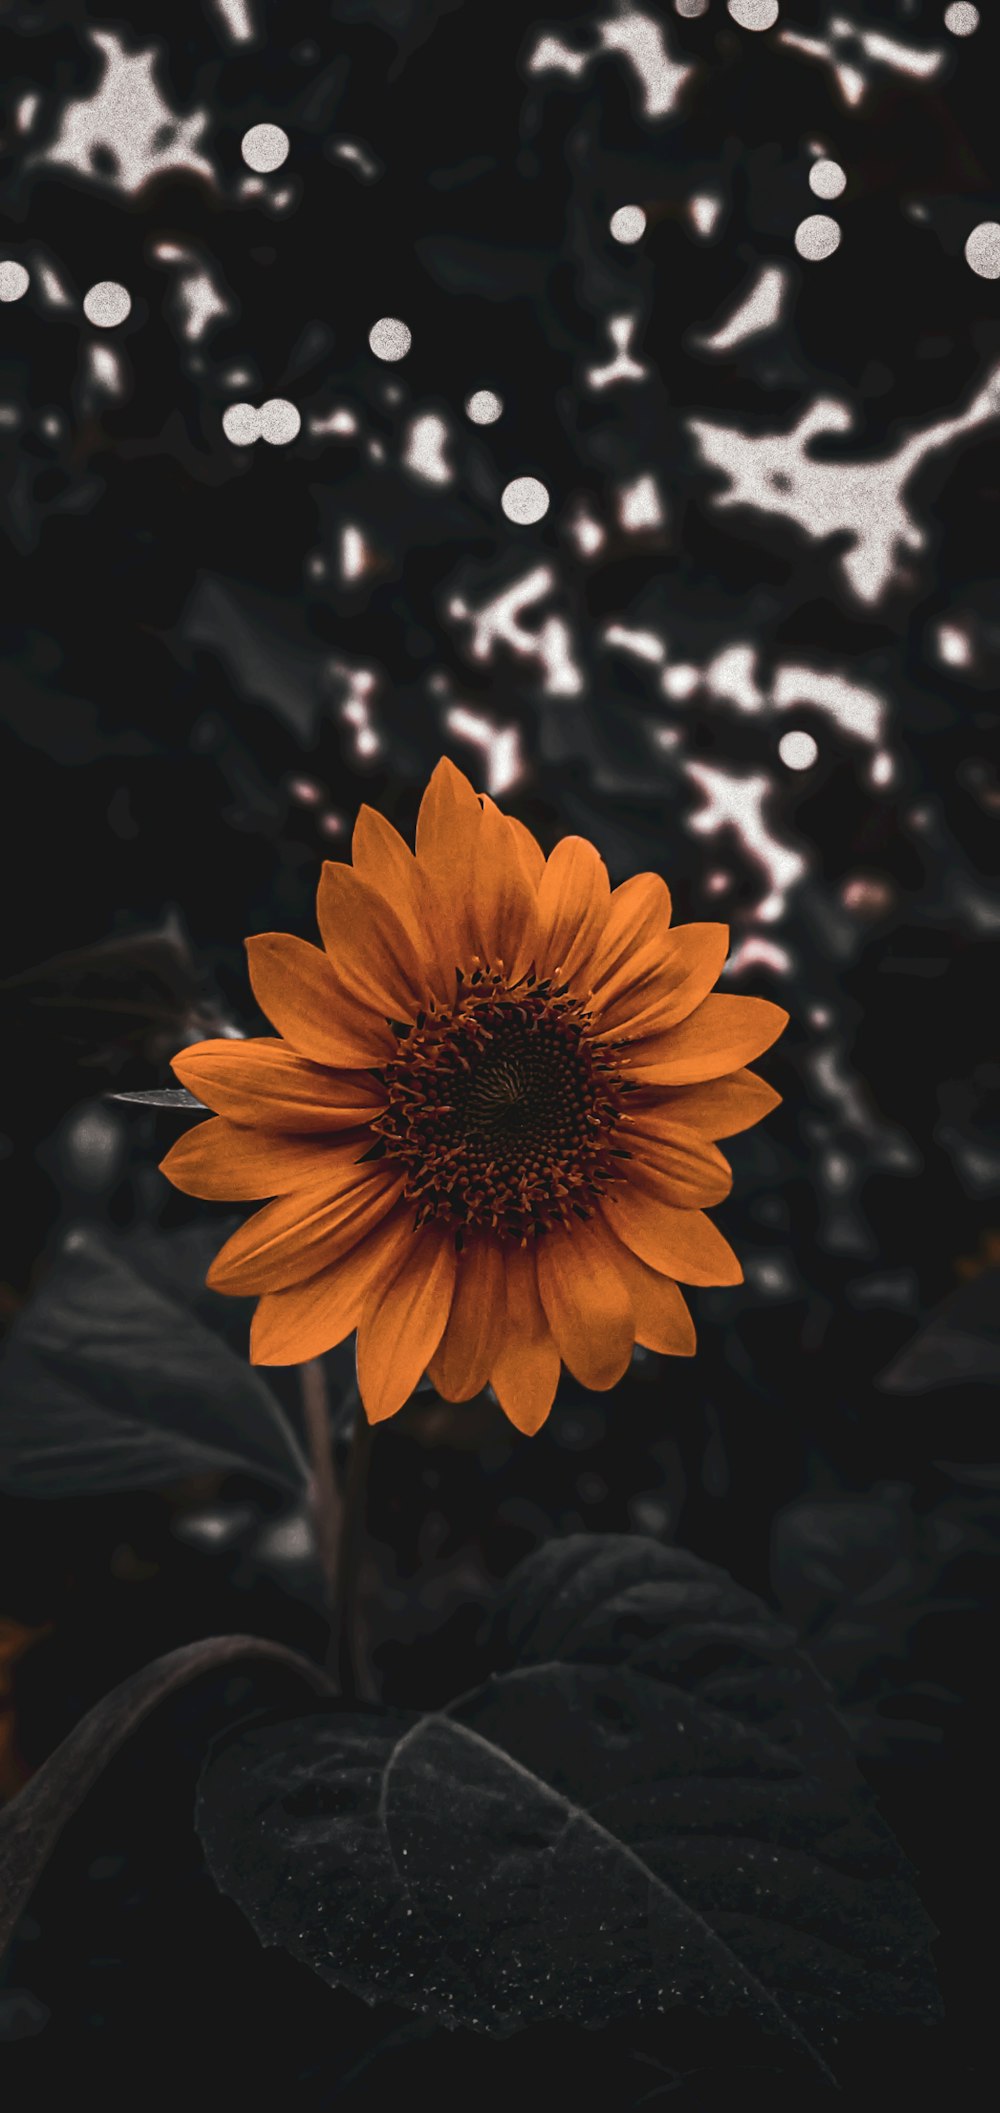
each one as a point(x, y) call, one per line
point(638, 917)
point(310, 1318)
point(505, 915)
point(262, 1081)
point(681, 1244)
point(662, 1320)
point(386, 863)
point(461, 1364)
point(380, 857)
point(719, 1107)
point(220, 1160)
point(525, 1372)
point(296, 989)
point(449, 842)
point(403, 1319)
point(586, 1303)
point(721, 1035)
point(372, 954)
point(574, 899)
point(685, 972)
point(529, 849)
point(303, 1233)
point(679, 1165)
point(448, 829)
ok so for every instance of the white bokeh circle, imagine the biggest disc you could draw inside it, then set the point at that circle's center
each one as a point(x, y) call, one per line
point(827, 179)
point(754, 14)
point(484, 407)
point(264, 148)
point(279, 421)
point(241, 424)
point(628, 224)
point(389, 338)
point(798, 750)
point(525, 500)
point(107, 304)
point(14, 280)
point(816, 237)
point(982, 250)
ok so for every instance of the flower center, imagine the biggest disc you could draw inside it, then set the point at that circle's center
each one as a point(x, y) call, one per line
point(503, 1110)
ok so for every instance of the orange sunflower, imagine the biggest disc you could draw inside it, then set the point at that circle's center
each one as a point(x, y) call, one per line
point(488, 1118)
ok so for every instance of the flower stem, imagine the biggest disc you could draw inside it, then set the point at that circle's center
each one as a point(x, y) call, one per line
point(346, 1657)
point(338, 1513)
point(324, 1496)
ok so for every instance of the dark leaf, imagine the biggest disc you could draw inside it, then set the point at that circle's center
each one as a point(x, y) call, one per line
point(30, 1825)
point(881, 1593)
point(177, 1262)
point(960, 1341)
point(973, 1474)
point(264, 646)
point(647, 1802)
point(131, 998)
point(110, 1383)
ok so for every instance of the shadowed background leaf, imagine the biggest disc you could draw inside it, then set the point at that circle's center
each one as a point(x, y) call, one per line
point(108, 1383)
point(894, 1601)
point(104, 1007)
point(959, 1341)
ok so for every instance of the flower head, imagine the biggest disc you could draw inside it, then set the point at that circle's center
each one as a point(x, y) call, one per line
point(488, 1119)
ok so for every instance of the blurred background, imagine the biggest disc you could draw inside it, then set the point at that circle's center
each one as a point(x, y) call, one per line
point(294, 300)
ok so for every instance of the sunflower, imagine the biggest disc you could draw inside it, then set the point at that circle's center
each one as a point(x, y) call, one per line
point(488, 1120)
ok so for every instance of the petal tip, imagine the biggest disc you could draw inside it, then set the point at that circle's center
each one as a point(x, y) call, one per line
point(263, 1353)
point(258, 945)
point(525, 1427)
point(445, 772)
point(219, 1277)
point(380, 1411)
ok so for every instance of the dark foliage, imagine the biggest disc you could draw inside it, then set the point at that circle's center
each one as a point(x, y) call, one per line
point(109, 1384)
point(959, 1341)
point(31, 1824)
point(646, 1801)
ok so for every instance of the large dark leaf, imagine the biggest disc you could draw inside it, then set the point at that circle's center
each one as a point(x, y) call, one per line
point(647, 1802)
point(110, 1383)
